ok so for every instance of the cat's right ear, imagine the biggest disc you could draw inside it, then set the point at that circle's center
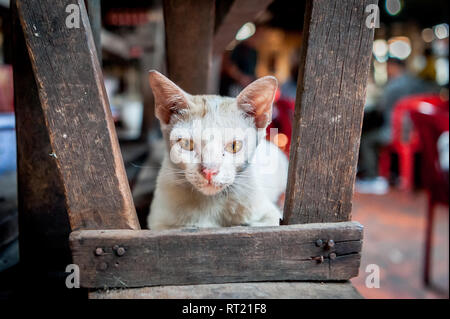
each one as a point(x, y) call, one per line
point(169, 98)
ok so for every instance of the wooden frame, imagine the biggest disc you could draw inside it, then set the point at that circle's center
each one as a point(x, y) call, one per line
point(78, 134)
point(129, 258)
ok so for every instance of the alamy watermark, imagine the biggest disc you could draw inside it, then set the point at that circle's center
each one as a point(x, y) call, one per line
point(373, 277)
point(373, 19)
point(73, 17)
point(73, 278)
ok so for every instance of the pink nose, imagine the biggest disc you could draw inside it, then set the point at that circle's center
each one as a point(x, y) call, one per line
point(208, 173)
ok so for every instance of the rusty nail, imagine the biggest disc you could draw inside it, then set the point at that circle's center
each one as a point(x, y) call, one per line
point(319, 242)
point(120, 251)
point(330, 243)
point(332, 256)
point(319, 259)
point(98, 251)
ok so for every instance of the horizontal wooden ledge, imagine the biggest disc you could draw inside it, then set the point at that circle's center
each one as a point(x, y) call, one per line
point(137, 258)
point(251, 290)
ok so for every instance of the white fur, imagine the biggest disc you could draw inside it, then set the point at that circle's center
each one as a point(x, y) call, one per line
point(248, 183)
point(181, 205)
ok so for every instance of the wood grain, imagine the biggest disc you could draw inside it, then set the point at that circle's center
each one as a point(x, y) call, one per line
point(77, 116)
point(251, 290)
point(189, 28)
point(333, 73)
point(199, 256)
point(43, 219)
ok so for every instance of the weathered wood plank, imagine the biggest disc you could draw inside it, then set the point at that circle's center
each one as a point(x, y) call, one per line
point(43, 220)
point(77, 117)
point(189, 28)
point(251, 290)
point(238, 13)
point(198, 256)
point(333, 73)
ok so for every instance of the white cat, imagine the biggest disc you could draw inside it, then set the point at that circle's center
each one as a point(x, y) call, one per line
point(218, 169)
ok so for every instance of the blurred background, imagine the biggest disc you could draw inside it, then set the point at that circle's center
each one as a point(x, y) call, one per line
point(401, 190)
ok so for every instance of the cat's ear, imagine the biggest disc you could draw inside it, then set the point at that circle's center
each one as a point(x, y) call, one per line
point(257, 98)
point(169, 98)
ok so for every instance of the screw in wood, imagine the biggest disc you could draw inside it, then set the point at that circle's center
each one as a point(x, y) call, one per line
point(319, 242)
point(120, 251)
point(98, 251)
point(330, 243)
point(332, 256)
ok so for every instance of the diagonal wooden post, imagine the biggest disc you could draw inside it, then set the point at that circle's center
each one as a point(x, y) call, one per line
point(73, 101)
point(334, 68)
point(43, 219)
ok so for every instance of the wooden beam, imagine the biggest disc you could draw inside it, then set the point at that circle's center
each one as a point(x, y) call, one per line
point(334, 67)
point(77, 116)
point(250, 290)
point(189, 28)
point(122, 258)
point(43, 220)
point(240, 12)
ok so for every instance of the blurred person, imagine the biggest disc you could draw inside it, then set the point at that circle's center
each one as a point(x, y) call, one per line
point(428, 73)
point(289, 87)
point(401, 83)
point(239, 66)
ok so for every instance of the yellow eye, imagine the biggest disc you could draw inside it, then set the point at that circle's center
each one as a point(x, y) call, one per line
point(233, 147)
point(186, 144)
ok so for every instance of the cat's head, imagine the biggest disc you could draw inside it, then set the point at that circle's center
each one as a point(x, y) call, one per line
point(210, 139)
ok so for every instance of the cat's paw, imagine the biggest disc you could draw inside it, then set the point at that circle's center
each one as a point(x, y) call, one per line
point(270, 217)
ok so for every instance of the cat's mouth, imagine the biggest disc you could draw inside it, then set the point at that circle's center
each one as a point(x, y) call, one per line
point(210, 187)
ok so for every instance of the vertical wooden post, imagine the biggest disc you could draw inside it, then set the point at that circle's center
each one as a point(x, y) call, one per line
point(152, 58)
point(334, 68)
point(78, 122)
point(189, 40)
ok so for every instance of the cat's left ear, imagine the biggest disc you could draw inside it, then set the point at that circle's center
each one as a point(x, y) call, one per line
point(257, 98)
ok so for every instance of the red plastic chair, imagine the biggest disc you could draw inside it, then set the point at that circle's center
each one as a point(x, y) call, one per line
point(435, 181)
point(405, 139)
point(283, 117)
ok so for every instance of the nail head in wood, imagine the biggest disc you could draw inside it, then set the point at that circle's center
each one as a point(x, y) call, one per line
point(98, 251)
point(330, 243)
point(319, 242)
point(120, 251)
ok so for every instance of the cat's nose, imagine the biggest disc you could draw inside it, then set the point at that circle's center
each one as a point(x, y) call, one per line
point(208, 173)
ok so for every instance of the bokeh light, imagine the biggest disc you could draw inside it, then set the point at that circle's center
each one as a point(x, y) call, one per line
point(399, 47)
point(281, 140)
point(427, 35)
point(393, 7)
point(246, 31)
point(441, 31)
point(380, 50)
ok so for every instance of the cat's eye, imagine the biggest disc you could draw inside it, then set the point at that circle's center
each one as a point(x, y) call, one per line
point(233, 147)
point(186, 144)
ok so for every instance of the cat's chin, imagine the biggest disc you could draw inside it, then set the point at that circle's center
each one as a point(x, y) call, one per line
point(211, 190)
